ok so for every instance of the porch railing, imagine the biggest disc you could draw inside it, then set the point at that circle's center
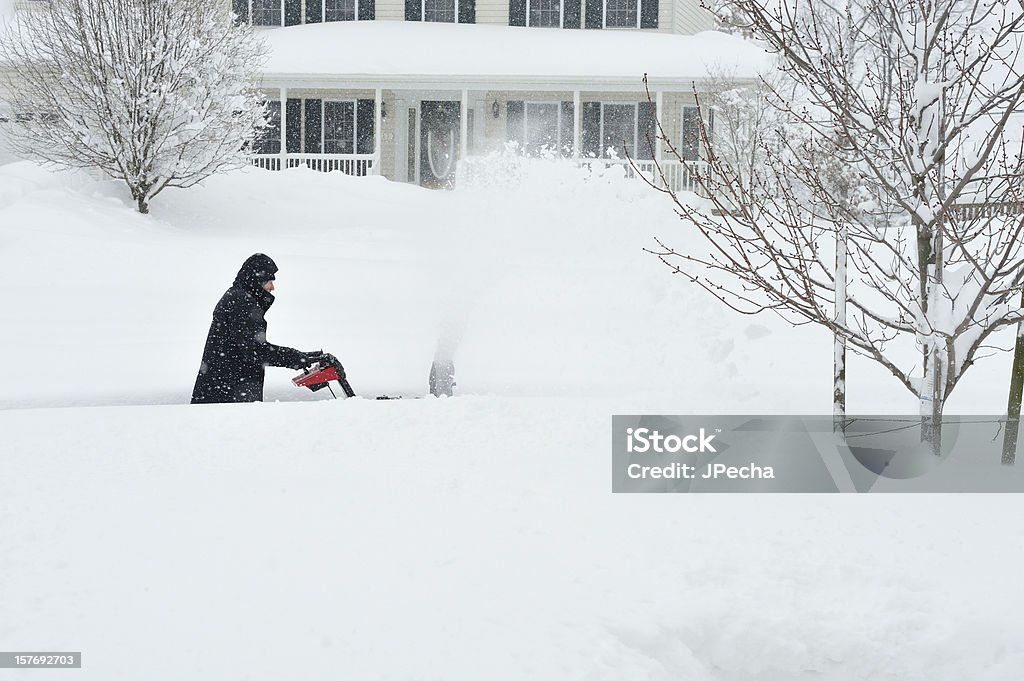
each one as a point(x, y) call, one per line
point(974, 211)
point(350, 164)
point(678, 177)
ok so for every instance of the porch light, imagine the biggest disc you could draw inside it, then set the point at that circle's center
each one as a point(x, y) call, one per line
point(496, 109)
point(383, 111)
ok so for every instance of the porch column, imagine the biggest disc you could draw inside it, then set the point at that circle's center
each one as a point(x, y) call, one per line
point(284, 136)
point(577, 124)
point(658, 104)
point(378, 100)
point(464, 126)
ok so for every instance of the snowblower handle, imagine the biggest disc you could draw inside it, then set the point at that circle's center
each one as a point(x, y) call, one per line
point(349, 392)
point(318, 376)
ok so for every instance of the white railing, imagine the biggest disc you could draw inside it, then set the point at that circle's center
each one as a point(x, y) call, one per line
point(679, 177)
point(974, 211)
point(350, 164)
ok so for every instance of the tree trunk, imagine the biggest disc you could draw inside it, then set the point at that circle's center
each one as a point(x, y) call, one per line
point(140, 194)
point(839, 345)
point(1016, 391)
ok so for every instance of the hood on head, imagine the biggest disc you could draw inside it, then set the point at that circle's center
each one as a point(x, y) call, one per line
point(256, 271)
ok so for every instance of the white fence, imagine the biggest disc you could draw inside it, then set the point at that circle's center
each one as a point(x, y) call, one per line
point(350, 164)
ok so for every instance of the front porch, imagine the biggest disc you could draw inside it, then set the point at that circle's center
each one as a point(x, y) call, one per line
point(419, 135)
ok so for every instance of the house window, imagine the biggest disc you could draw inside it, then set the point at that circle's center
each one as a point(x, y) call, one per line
point(269, 141)
point(441, 10)
point(618, 130)
point(266, 12)
point(690, 147)
point(621, 14)
point(339, 10)
point(542, 125)
point(339, 127)
point(545, 13)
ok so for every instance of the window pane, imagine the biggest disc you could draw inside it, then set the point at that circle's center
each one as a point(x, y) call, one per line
point(439, 10)
point(621, 14)
point(541, 127)
point(690, 148)
point(340, 10)
point(269, 141)
point(339, 127)
point(546, 13)
point(266, 12)
point(619, 124)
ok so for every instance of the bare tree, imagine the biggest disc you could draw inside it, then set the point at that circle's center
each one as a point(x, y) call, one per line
point(157, 94)
point(924, 132)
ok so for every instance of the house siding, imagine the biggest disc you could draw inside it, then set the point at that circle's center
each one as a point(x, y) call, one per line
point(689, 18)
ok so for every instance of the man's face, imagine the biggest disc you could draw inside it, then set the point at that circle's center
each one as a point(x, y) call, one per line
point(269, 286)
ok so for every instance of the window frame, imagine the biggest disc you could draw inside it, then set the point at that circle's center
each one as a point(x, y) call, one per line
point(280, 18)
point(323, 13)
point(423, 14)
point(323, 126)
point(683, 147)
point(636, 126)
point(280, 108)
point(558, 121)
point(604, 16)
point(561, 15)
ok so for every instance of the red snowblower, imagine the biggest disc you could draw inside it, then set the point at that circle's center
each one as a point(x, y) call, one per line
point(317, 377)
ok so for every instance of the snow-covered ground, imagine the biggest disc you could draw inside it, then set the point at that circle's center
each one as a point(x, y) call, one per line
point(468, 538)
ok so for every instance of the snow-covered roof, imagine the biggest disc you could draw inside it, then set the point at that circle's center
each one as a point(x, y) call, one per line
point(420, 54)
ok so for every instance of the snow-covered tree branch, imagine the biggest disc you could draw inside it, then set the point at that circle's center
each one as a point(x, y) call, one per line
point(886, 155)
point(157, 94)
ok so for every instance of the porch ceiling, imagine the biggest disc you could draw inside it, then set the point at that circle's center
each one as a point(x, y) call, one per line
point(413, 55)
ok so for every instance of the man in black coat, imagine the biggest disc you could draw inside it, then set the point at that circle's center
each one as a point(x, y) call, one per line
point(236, 348)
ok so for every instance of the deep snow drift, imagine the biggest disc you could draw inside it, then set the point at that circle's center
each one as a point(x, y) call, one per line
point(457, 539)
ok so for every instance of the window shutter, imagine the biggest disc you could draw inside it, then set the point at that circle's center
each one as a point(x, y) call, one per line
point(595, 14)
point(293, 121)
point(571, 13)
point(592, 129)
point(414, 10)
point(691, 134)
point(314, 127)
point(367, 10)
point(646, 131)
point(292, 12)
point(514, 112)
point(517, 12)
point(648, 13)
point(365, 120)
point(568, 110)
point(467, 11)
point(314, 12)
point(241, 10)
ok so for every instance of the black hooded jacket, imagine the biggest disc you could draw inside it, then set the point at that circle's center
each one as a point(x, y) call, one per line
point(236, 348)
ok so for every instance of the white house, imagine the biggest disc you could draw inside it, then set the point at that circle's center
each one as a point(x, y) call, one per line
point(406, 88)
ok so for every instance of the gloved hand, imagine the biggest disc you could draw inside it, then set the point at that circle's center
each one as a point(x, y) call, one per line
point(326, 359)
point(307, 359)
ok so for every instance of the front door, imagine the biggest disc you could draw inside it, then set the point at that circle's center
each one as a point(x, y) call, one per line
point(439, 143)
